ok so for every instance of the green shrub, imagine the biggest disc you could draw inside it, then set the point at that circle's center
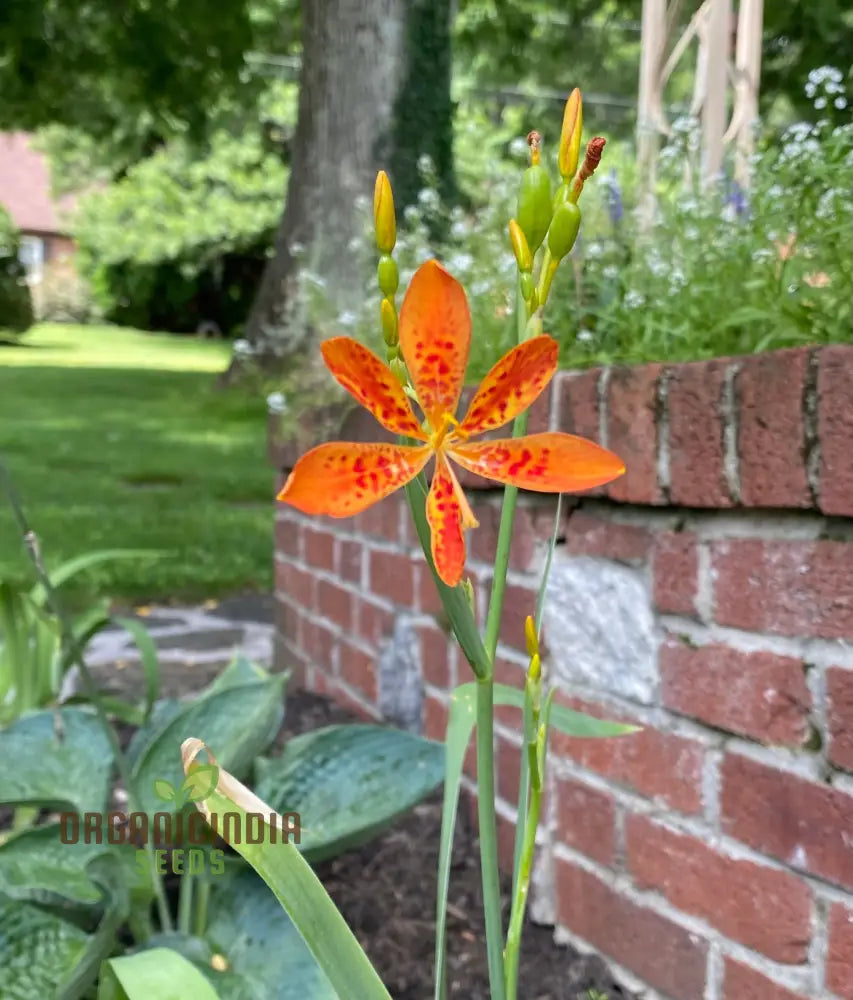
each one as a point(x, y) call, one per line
point(16, 308)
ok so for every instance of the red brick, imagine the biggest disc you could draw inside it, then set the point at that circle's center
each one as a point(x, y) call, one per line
point(318, 642)
point(805, 824)
point(374, 622)
point(350, 561)
point(298, 584)
point(434, 719)
point(589, 535)
point(369, 713)
point(428, 600)
point(519, 602)
point(392, 576)
point(577, 405)
point(335, 603)
point(382, 520)
point(797, 588)
point(771, 438)
point(483, 541)
point(696, 435)
point(511, 674)
point(508, 765)
point(435, 657)
point(288, 537)
point(660, 952)
point(506, 843)
point(760, 695)
point(319, 549)
point(633, 433)
point(839, 959)
point(765, 909)
point(675, 570)
point(835, 428)
point(578, 408)
point(358, 669)
point(586, 820)
point(657, 765)
point(743, 983)
point(286, 618)
point(839, 692)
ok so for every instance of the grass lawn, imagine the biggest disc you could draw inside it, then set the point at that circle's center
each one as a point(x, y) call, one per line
point(118, 438)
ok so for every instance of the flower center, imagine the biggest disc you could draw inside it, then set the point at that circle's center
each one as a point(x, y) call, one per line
point(437, 438)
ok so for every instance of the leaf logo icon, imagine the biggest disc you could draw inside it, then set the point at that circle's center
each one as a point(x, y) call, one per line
point(196, 787)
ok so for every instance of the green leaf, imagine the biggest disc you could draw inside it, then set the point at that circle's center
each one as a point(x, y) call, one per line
point(159, 973)
point(71, 770)
point(200, 783)
point(63, 573)
point(297, 888)
point(147, 658)
point(38, 950)
point(241, 718)
point(348, 782)
point(460, 724)
point(567, 720)
point(267, 958)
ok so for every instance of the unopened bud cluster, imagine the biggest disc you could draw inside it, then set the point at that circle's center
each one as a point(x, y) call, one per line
point(385, 226)
point(552, 220)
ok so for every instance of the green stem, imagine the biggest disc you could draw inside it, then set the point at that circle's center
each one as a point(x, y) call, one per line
point(185, 903)
point(519, 902)
point(489, 836)
point(89, 687)
point(201, 904)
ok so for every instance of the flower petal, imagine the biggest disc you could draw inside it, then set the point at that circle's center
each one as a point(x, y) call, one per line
point(341, 479)
point(549, 463)
point(445, 521)
point(435, 338)
point(372, 383)
point(512, 385)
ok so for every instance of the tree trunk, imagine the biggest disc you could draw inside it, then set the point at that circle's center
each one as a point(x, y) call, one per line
point(374, 92)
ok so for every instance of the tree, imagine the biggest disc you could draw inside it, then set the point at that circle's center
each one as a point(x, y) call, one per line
point(374, 92)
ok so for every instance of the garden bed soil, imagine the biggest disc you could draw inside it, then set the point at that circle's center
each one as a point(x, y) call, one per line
point(386, 891)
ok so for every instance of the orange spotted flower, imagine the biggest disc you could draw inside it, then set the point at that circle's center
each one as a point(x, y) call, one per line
point(341, 479)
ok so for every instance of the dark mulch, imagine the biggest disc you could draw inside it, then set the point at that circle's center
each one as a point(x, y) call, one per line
point(386, 892)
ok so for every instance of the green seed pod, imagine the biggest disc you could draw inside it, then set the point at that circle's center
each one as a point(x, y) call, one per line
point(564, 194)
point(389, 322)
point(534, 205)
point(388, 275)
point(527, 286)
point(564, 230)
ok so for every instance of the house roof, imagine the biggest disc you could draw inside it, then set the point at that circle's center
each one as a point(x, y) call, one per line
point(25, 187)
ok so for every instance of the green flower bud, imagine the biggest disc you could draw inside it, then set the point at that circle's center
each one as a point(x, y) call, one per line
point(534, 198)
point(388, 275)
point(564, 230)
point(399, 369)
point(527, 286)
point(523, 256)
point(389, 322)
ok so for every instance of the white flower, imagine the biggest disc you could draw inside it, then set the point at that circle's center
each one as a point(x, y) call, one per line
point(460, 262)
point(634, 299)
point(610, 272)
point(820, 103)
point(585, 336)
point(242, 348)
point(276, 402)
point(840, 103)
point(347, 318)
point(594, 251)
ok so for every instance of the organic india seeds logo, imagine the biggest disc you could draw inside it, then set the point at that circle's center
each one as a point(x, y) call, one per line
point(183, 839)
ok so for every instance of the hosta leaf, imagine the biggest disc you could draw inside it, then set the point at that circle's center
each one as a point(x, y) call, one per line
point(238, 718)
point(38, 951)
point(71, 770)
point(159, 973)
point(348, 782)
point(267, 958)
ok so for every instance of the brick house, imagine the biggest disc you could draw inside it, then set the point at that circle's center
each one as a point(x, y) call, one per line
point(40, 219)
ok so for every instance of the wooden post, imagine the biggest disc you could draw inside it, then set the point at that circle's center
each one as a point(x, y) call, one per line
point(716, 42)
point(653, 39)
point(747, 76)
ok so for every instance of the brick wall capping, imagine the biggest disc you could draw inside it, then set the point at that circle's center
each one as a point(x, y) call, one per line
point(772, 430)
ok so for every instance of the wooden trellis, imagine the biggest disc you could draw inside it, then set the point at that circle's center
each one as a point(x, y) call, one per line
point(728, 70)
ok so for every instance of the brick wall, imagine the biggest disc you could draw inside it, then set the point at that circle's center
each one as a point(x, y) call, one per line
point(708, 595)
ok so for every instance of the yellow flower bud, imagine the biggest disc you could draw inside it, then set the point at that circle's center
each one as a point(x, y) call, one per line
point(534, 671)
point(388, 315)
point(530, 636)
point(523, 256)
point(570, 137)
point(383, 214)
point(564, 229)
point(389, 277)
